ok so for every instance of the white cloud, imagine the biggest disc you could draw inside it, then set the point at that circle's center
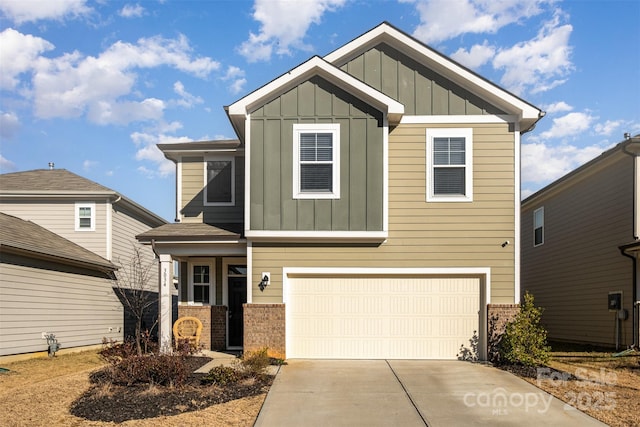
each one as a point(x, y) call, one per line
point(544, 163)
point(100, 87)
point(608, 127)
point(236, 75)
point(283, 25)
point(9, 124)
point(186, 100)
point(569, 125)
point(20, 11)
point(475, 57)
point(539, 64)
point(89, 165)
point(445, 19)
point(147, 150)
point(6, 165)
point(18, 55)
point(557, 107)
point(131, 11)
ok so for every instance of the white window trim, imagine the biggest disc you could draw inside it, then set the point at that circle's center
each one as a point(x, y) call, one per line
point(212, 280)
point(232, 159)
point(333, 128)
point(466, 133)
point(92, 206)
point(541, 209)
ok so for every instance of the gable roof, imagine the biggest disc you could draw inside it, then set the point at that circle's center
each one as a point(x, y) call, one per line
point(27, 238)
point(386, 33)
point(61, 183)
point(630, 146)
point(57, 181)
point(315, 66)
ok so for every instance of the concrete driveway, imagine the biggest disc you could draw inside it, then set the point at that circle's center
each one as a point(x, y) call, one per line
point(408, 393)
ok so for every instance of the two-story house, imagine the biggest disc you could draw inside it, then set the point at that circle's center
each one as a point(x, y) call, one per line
point(580, 238)
point(45, 291)
point(369, 208)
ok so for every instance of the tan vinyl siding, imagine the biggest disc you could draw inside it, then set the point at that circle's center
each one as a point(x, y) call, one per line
point(579, 263)
point(79, 309)
point(125, 227)
point(192, 202)
point(425, 234)
point(422, 91)
point(59, 217)
point(192, 208)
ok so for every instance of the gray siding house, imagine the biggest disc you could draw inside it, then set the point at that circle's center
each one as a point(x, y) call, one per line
point(580, 250)
point(83, 213)
point(360, 212)
point(50, 284)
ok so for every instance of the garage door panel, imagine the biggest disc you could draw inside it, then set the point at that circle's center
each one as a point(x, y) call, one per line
point(381, 317)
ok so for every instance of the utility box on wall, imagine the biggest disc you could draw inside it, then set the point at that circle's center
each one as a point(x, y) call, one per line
point(615, 301)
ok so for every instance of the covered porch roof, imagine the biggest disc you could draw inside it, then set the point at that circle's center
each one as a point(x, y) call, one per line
point(196, 239)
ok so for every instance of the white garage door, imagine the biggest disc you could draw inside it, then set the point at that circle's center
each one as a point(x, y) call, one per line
point(381, 317)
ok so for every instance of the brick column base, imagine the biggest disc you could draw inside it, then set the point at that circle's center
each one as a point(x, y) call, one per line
point(264, 326)
point(498, 315)
point(218, 327)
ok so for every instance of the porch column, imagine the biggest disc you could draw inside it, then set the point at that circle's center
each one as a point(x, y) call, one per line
point(164, 300)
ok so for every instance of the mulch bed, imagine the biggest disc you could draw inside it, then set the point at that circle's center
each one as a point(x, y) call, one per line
point(112, 403)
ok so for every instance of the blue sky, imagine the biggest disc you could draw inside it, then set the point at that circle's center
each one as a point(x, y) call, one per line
point(93, 85)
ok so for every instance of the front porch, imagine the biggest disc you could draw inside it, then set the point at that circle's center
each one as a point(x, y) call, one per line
point(212, 280)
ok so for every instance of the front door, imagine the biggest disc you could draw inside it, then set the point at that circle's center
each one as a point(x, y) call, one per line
point(237, 297)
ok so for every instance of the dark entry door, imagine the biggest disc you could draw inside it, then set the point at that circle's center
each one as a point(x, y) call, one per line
point(237, 297)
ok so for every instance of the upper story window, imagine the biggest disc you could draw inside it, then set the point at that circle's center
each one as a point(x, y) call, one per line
point(538, 226)
point(316, 161)
point(219, 181)
point(85, 216)
point(449, 165)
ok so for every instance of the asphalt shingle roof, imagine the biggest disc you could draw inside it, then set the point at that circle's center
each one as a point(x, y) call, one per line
point(49, 180)
point(25, 236)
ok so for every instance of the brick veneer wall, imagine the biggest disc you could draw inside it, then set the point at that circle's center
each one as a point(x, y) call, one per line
point(218, 327)
point(204, 314)
point(264, 326)
point(498, 315)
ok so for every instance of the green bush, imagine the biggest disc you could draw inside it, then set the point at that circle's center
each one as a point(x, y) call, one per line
point(524, 341)
point(221, 375)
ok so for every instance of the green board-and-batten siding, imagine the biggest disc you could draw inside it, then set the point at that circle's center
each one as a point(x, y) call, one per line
point(360, 206)
point(419, 89)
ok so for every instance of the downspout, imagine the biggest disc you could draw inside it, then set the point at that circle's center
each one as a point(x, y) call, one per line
point(636, 232)
point(635, 303)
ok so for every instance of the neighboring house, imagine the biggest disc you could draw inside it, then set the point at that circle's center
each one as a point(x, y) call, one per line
point(369, 208)
point(90, 215)
point(50, 284)
point(580, 249)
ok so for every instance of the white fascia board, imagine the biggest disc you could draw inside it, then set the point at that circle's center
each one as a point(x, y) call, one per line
point(440, 64)
point(318, 66)
point(317, 236)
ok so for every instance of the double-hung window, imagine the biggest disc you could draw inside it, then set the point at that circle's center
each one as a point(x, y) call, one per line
point(316, 161)
point(201, 289)
point(449, 165)
point(538, 226)
point(85, 216)
point(219, 181)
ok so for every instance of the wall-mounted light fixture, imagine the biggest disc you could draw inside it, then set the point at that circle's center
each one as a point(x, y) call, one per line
point(266, 278)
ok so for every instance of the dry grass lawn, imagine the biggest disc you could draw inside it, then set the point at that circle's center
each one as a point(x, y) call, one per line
point(39, 392)
point(605, 387)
